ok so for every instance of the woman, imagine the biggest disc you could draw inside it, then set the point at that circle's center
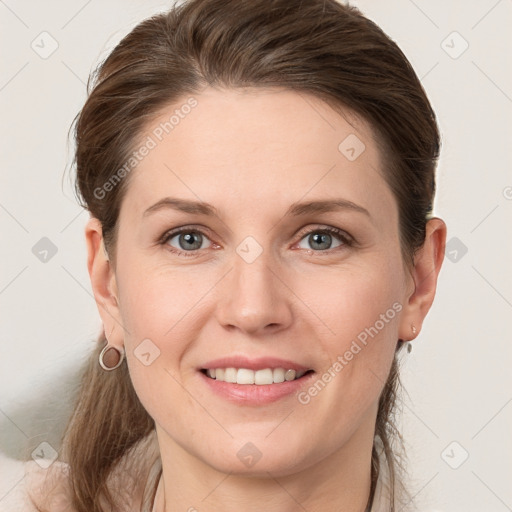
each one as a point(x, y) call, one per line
point(260, 179)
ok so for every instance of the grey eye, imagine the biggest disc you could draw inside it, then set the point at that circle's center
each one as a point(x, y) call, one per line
point(188, 240)
point(320, 241)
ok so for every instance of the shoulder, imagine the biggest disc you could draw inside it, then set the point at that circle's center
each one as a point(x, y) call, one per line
point(45, 486)
point(12, 485)
point(28, 486)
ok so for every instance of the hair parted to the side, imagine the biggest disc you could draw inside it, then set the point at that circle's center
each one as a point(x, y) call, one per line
point(320, 47)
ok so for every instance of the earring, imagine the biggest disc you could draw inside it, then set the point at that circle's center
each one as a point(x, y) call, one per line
point(111, 357)
point(409, 344)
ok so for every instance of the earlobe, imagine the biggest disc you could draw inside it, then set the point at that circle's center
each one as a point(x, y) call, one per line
point(101, 275)
point(427, 265)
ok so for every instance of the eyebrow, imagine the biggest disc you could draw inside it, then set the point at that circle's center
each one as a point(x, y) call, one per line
point(295, 210)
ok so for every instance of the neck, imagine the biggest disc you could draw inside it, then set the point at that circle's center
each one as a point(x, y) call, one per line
point(339, 482)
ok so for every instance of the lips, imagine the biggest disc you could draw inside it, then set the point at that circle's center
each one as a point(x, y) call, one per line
point(254, 381)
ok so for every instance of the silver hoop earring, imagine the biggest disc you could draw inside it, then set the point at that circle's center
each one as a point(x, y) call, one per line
point(111, 357)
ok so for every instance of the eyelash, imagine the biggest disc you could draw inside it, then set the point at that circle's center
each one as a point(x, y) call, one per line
point(346, 240)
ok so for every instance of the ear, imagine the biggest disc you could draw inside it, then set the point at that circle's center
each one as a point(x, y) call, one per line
point(103, 282)
point(427, 264)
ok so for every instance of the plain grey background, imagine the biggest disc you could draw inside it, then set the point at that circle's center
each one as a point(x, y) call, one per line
point(457, 411)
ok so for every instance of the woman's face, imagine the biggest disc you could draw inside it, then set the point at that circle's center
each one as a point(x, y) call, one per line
point(255, 282)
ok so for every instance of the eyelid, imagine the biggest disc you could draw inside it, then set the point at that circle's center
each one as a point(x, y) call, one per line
point(346, 238)
point(183, 229)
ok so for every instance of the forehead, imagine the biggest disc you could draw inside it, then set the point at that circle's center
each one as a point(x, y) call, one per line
point(257, 149)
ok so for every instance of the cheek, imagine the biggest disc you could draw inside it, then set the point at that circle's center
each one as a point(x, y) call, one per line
point(350, 301)
point(154, 301)
point(158, 331)
point(163, 315)
point(359, 309)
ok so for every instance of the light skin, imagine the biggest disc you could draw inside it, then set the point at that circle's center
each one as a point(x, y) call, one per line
point(252, 154)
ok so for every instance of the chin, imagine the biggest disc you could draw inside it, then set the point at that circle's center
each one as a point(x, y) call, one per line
point(259, 468)
point(260, 457)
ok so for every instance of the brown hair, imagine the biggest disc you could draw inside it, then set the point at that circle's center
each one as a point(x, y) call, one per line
point(319, 47)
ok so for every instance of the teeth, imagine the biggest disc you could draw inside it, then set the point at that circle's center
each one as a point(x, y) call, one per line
point(278, 375)
point(290, 375)
point(229, 375)
point(244, 376)
point(258, 377)
point(263, 376)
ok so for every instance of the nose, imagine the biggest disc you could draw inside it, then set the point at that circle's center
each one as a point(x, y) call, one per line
point(253, 297)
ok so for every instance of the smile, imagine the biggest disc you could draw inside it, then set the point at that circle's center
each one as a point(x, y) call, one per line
point(261, 377)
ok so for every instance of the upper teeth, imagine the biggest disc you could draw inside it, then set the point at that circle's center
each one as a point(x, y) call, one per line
point(260, 377)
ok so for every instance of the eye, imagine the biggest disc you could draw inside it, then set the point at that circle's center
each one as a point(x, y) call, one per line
point(185, 241)
point(320, 239)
